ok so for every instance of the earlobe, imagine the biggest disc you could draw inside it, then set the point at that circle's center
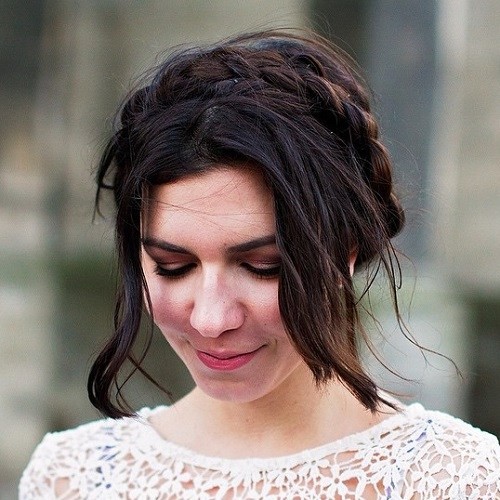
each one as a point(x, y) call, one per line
point(353, 255)
point(351, 263)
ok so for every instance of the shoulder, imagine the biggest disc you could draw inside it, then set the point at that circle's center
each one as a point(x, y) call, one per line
point(448, 434)
point(79, 454)
point(87, 439)
point(444, 453)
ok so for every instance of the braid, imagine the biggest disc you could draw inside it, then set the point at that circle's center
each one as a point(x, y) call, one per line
point(341, 105)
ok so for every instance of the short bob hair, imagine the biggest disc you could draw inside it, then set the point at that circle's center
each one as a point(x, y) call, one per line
point(294, 107)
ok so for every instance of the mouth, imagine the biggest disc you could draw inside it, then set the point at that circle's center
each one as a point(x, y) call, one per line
point(226, 355)
point(226, 361)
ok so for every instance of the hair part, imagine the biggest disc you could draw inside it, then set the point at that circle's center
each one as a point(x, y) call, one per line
point(294, 107)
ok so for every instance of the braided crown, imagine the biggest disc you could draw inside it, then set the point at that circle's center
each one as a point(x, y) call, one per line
point(295, 80)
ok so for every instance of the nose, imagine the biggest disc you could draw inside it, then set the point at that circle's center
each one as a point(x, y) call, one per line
point(216, 307)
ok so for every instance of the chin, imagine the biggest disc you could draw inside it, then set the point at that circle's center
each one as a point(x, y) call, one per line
point(231, 391)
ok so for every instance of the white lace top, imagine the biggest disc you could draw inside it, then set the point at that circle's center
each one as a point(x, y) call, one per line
point(415, 454)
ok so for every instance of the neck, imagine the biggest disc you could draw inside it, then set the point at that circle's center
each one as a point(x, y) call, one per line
point(295, 417)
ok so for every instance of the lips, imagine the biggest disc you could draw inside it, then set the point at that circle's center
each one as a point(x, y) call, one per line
point(226, 361)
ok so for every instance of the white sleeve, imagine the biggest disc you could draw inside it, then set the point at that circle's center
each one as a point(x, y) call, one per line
point(483, 480)
point(44, 477)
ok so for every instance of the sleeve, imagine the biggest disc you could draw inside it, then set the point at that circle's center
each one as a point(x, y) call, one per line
point(46, 475)
point(483, 478)
point(451, 459)
point(35, 480)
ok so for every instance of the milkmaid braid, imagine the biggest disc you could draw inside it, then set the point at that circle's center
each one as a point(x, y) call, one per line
point(333, 94)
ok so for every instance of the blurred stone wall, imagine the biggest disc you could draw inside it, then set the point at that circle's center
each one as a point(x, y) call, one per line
point(26, 287)
point(465, 183)
point(467, 145)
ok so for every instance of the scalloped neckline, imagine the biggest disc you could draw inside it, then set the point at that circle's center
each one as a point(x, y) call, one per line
point(154, 438)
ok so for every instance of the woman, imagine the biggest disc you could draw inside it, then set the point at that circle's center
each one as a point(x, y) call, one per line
point(250, 184)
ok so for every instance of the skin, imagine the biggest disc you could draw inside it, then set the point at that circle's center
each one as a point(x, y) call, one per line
point(211, 267)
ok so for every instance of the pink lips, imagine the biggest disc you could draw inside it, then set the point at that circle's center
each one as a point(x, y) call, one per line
point(225, 362)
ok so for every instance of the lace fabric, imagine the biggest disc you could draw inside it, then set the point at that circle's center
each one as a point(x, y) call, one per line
point(416, 454)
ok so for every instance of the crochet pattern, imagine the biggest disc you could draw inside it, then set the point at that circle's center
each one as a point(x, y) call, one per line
point(416, 454)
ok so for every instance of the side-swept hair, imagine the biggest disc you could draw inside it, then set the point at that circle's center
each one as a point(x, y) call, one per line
point(294, 107)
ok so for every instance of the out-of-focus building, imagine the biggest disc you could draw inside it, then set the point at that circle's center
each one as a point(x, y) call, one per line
point(65, 64)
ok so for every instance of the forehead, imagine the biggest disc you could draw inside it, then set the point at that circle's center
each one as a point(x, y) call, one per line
point(222, 195)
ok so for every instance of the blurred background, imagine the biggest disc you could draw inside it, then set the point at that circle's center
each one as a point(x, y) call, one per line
point(434, 66)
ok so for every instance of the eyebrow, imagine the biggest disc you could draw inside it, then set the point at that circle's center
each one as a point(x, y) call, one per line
point(247, 246)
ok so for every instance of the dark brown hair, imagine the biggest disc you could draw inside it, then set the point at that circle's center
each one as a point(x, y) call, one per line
point(294, 107)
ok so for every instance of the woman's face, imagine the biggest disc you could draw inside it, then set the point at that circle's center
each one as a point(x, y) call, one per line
point(211, 265)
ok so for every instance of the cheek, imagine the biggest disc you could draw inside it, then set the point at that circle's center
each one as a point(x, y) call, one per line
point(263, 312)
point(266, 306)
point(169, 309)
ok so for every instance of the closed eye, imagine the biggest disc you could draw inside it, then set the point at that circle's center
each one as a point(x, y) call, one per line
point(263, 271)
point(173, 272)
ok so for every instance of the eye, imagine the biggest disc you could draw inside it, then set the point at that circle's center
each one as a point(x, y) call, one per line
point(173, 272)
point(270, 270)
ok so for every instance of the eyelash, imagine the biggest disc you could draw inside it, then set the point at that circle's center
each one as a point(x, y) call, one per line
point(179, 272)
point(263, 272)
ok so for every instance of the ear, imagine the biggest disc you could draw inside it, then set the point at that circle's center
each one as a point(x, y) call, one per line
point(353, 255)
